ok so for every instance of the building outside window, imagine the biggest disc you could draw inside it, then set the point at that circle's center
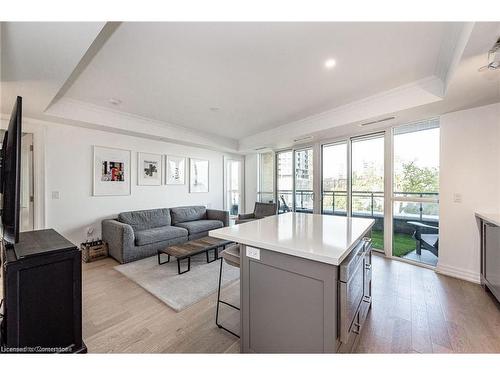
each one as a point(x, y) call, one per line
point(265, 190)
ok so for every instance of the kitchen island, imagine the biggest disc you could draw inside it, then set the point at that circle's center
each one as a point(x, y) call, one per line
point(305, 282)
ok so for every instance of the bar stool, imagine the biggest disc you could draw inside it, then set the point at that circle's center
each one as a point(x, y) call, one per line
point(231, 255)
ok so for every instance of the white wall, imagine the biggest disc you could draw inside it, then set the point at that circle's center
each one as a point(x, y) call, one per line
point(250, 182)
point(68, 158)
point(64, 157)
point(470, 166)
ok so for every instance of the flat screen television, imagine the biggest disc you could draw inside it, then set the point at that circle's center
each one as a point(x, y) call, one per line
point(10, 176)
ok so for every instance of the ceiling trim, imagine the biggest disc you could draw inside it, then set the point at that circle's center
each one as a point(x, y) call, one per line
point(108, 29)
point(452, 48)
point(111, 120)
point(421, 92)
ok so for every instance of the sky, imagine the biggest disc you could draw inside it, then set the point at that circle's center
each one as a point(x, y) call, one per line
point(421, 147)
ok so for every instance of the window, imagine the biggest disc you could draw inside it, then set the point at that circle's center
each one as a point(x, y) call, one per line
point(265, 193)
point(294, 180)
point(284, 180)
point(367, 190)
point(304, 177)
point(233, 186)
point(334, 183)
point(416, 192)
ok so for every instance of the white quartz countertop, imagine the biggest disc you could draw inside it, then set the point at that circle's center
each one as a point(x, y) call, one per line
point(493, 218)
point(323, 238)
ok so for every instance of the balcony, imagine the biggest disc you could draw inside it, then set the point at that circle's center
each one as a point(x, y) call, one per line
point(304, 200)
point(233, 202)
point(415, 233)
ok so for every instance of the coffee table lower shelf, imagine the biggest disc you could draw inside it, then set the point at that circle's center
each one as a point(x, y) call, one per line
point(191, 248)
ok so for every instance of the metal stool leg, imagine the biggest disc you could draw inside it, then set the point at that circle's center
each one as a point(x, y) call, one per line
point(219, 301)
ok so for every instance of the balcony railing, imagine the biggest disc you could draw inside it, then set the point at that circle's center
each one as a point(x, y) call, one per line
point(372, 197)
point(304, 201)
point(265, 196)
point(371, 204)
point(233, 201)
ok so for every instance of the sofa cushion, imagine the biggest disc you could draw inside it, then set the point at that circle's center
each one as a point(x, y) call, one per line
point(188, 213)
point(153, 235)
point(199, 226)
point(146, 219)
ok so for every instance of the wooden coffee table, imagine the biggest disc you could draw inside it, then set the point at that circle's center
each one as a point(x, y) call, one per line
point(193, 247)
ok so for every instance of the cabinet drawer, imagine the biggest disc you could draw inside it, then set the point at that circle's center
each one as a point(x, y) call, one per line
point(352, 335)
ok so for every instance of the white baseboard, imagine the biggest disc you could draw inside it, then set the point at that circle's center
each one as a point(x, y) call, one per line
point(459, 273)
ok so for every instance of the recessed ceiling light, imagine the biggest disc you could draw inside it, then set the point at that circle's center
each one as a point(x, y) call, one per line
point(330, 63)
point(115, 101)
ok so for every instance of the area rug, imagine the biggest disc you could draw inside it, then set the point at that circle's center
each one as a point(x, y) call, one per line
point(179, 291)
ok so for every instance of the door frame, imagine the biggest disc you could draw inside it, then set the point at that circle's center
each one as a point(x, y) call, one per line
point(37, 128)
point(394, 199)
point(226, 160)
point(386, 133)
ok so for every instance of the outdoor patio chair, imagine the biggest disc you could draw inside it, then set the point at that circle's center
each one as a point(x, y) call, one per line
point(428, 241)
point(283, 206)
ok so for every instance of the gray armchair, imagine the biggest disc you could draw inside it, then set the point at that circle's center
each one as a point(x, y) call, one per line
point(260, 211)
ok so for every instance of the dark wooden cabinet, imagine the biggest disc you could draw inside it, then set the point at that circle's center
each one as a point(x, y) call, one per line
point(42, 284)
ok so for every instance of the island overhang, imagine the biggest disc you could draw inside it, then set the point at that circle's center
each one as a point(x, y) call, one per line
point(323, 238)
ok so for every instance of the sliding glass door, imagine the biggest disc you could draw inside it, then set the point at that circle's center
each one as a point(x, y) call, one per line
point(233, 186)
point(416, 192)
point(367, 183)
point(284, 181)
point(295, 181)
point(265, 192)
point(303, 180)
point(334, 179)
point(391, 176)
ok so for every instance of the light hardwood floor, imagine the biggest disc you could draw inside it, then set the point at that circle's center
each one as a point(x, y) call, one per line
point(414, 310)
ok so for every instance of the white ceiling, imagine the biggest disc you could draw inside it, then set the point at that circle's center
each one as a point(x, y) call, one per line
point(267, 79)
point(38, 57)
point(260, 75)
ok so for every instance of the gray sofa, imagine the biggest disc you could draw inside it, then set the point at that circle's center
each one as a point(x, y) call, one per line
point(139, 234)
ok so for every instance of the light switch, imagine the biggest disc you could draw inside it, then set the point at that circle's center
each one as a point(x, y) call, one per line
point(55, 195)
point(457, 198)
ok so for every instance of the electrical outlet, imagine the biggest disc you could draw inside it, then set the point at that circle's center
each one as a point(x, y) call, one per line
point(55, 195)
point(457, 198)
point(253, 253)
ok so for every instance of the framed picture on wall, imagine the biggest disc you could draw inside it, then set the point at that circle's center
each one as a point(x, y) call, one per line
point(198, 176)
point(149, 169)
point(111, 171)
point(176, 170)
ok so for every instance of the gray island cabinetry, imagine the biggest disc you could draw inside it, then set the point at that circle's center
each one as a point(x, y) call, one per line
point(305, 282)
point(490, 252)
